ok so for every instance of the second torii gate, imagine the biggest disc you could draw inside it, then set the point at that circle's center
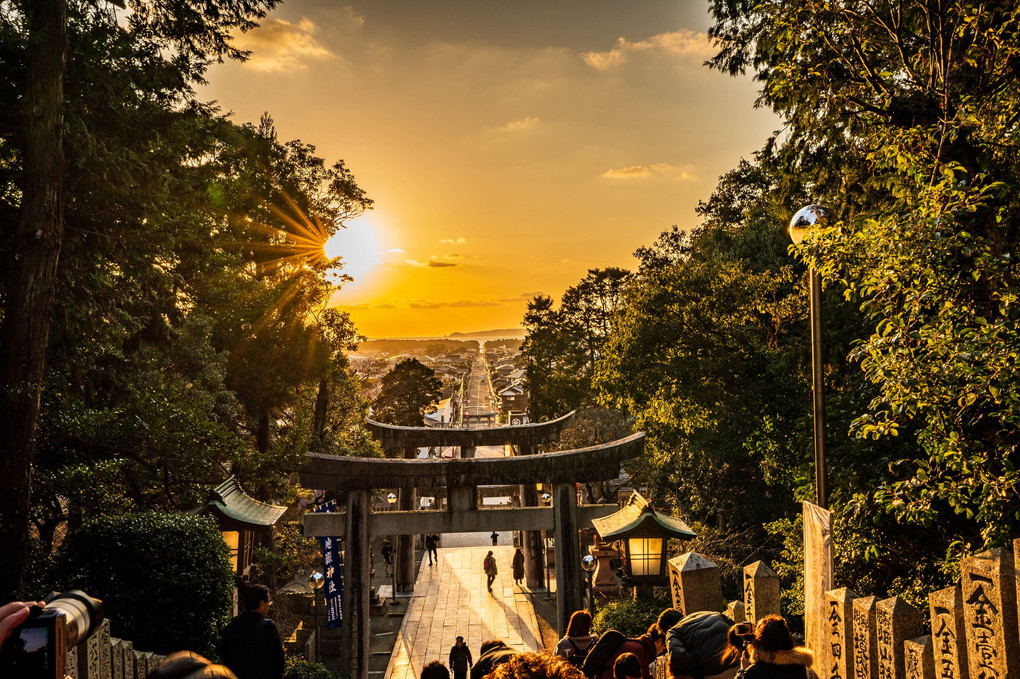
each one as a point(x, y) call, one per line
point(359, 476)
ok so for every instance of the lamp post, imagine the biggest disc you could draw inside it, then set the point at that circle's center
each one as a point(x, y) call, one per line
point(588, 563)
point(316, 580)
point(392, 499)
point(803, 223)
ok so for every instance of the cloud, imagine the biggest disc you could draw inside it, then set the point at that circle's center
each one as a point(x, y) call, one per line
point(398, 250)
point(364, 307)
point(521, 124)
point(454, 241)
point(521, 297)
point(422, 304)
point(432, 263)
point(279, 45)
point(683, 45)
point(682, 173)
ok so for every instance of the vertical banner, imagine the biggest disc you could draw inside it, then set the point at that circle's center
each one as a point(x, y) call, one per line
point(334, 574)
point(817, 580)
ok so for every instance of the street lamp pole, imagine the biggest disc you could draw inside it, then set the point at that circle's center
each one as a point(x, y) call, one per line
point(807, 219)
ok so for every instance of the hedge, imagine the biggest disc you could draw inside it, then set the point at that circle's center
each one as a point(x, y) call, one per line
point(165, 579)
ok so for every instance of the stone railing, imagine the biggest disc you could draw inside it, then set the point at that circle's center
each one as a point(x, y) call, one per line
point(104, 657)
point(974, 624)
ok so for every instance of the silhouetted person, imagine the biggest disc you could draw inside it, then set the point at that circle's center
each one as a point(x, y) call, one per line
point(251, 647)
point(490, 568)
point(435, 670)
point(495, 538)
point(460, 659)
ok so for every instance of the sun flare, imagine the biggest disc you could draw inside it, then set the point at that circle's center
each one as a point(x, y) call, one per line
point(358, 245)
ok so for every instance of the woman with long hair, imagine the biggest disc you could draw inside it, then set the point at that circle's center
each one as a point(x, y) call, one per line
point(773, 655)
point(577, 641)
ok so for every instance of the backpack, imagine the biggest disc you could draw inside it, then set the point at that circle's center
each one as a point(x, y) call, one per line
point(578, 655)
point(601, 652)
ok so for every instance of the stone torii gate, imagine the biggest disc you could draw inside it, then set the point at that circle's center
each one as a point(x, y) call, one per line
point(461, 477)
point(524, 440)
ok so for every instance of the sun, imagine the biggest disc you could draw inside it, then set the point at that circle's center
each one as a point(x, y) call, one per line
point(358, 245)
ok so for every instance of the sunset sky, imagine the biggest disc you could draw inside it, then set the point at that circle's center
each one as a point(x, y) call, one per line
point(509, 146)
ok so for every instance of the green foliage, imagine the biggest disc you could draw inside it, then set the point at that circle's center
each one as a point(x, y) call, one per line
point(292, 553)
point(915, 121)
point(165, 579)
point(302, 669)
point(633, 617)
point(561, 345)
point(408, 391)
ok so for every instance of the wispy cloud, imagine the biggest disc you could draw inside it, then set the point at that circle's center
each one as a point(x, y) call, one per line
point(521, 297)
point(521, 124)
point(682, 45)
point(682, 173)
point(397, 250)
point(364, 307)
point(422, 304)
point(279, 45)
point(454, 241)
point(432, 263)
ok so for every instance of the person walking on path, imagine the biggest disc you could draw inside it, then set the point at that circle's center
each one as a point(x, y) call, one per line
point(251, 645)
point(460, 659)
point(431, 542)
point(495, 538)
point(387, 555)
point(489, 566)
point(518, 564)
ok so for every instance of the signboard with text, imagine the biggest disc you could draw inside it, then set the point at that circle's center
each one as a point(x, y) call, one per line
point(333, 572)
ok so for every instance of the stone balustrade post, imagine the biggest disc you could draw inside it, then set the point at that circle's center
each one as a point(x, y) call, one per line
point(896, 621)
point(918, 662)
point(839, 629)
point(988, 592)
point(735, 611)
point(949, 651)
point(695, 584)
point(865, 646)
point(761, 591)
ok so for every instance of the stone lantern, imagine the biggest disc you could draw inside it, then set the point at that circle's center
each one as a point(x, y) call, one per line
point(644, 534)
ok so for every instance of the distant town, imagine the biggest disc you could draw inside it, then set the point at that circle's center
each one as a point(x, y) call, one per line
point(452, 360)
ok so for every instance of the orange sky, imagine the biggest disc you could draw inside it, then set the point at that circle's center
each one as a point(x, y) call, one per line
point(509, 146)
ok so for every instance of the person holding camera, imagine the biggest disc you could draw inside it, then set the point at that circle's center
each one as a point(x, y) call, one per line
point(773, 655)
point(13, 614)
point(251, 646)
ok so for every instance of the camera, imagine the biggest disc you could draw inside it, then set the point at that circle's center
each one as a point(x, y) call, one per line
point(37, 649)
point(744, 633)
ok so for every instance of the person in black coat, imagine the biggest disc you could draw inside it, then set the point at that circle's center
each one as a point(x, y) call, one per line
point(700, 645)
point(491, 655)
point(772, 654)
point(251, 645)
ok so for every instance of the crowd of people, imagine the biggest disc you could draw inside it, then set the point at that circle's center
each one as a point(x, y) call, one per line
point(703, 645)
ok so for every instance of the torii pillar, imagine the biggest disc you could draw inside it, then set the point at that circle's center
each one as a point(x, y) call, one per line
point(534, 559)
point(404, 565)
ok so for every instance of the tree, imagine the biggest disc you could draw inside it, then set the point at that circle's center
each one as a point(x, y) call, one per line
point(561, 346)
point(408, 391)
point(167, 239)
point(914, 105)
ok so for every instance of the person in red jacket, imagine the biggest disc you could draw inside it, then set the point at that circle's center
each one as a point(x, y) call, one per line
point(645, 647)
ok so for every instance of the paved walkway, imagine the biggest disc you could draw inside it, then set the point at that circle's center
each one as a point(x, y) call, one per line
point(450, 599)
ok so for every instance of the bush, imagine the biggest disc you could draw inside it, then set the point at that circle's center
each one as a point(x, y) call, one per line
point(165, 579)
point(302, 669)
point(633, 617)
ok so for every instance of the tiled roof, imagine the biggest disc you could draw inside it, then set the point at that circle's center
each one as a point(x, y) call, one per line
point(639, 519)
point(230, 503)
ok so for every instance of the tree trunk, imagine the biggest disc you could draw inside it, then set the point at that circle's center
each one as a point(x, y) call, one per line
point(262, 433)
point(321, 405)
point(26, 326)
